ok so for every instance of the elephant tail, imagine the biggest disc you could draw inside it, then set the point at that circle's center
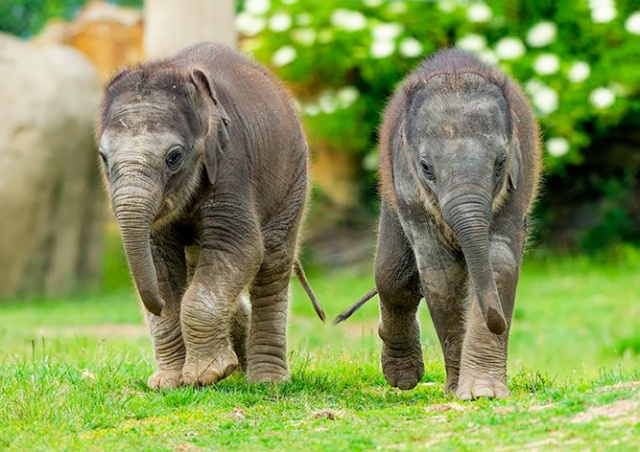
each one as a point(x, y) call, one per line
point(357, 305)
point(299, 271)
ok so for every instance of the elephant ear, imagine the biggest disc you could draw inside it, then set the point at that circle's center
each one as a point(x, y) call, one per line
point(214, 143)
point(516, 173)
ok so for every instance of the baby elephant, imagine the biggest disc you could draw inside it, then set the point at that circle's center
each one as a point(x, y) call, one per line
point(460, 165)
point(206, 166)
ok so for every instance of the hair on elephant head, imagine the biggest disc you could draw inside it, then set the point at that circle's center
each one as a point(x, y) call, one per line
point(161, 132)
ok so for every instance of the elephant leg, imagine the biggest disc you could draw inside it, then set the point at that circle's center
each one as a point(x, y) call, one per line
point(223, 270)
point(165, 329)
point(443, 283)
point(398, 286)
point(483, 371)
point(240, 329)
point(267, 352)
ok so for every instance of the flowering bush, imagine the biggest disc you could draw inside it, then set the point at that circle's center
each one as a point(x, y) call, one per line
point(579, 62)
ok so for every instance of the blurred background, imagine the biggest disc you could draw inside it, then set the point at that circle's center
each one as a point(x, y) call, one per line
point(577, 60)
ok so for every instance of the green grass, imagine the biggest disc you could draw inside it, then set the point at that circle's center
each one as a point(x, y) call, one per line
point(73, 375)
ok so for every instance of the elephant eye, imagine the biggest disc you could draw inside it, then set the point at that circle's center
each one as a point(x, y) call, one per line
point(427, 170)
point(174, 159)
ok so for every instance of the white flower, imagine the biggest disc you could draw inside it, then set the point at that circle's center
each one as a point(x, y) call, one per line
point(328, 102)
point(545, 99)
point(479, 12)
point(533, 86)
point(632, 24)
point(546, 64)
point(602, 97)
point(257, 7)
point(304, 36)
point(579, 72)
point(557, 146)
point(386, 32)
point(509, 48)
point(602, 11)
point(488, 56)
point(283, 56)
point(542, 34)
point(370, 161)
point(304, 19)
point(311, 110)
point(249, 25)
point(280, 22)
point(372, 3)
point(347, 96)
point(410, 48)
point(397, 8)
point(472, 42)
point(446, 6)
point(348, 20)
point(382, 49)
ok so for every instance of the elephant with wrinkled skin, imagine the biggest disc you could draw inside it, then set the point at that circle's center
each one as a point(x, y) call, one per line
point(460, 165)
point(205, 162)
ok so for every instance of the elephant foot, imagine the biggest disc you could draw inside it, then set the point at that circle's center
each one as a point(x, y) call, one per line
point(451, 386)
point(205, 372)
point(403, 368)
point(473, 386)
point(165, 379)
point(268, 373)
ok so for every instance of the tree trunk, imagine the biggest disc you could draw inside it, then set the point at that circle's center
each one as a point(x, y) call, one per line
point(170, 25)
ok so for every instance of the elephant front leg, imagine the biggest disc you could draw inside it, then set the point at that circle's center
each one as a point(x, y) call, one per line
point(207, 316)
point(165, 329)
point(444, 292)
point(483, 370)
point(399, 290)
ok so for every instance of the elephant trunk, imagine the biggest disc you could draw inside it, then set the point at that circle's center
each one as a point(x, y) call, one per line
point(467, 212)
point(135, 208)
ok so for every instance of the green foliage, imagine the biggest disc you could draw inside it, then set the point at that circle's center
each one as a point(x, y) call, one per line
point(26, 17)
point(615, 225)
point(578, 63)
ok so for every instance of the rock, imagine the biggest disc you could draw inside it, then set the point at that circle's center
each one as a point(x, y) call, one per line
point(51, 201)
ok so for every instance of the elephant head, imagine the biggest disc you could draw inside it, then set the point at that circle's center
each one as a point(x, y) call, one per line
point(461, 147)
point(160, 134)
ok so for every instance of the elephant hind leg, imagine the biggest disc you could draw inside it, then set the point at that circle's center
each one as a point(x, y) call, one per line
point(267, 350)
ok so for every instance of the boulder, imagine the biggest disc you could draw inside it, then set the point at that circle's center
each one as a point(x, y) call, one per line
point(51, 201)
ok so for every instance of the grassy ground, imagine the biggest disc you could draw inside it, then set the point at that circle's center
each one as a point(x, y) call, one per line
point(73, 376)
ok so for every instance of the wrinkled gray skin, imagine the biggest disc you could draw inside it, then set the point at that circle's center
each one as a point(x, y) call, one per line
point(206, 165)
point(460, 165)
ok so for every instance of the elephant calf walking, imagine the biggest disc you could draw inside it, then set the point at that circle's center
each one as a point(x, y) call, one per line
point(460, 166)
point(206, 166)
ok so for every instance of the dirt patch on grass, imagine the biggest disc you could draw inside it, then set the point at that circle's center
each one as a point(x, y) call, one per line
point(618, 386)
point(106, 331)
point(442, 407)
point(622, 410)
